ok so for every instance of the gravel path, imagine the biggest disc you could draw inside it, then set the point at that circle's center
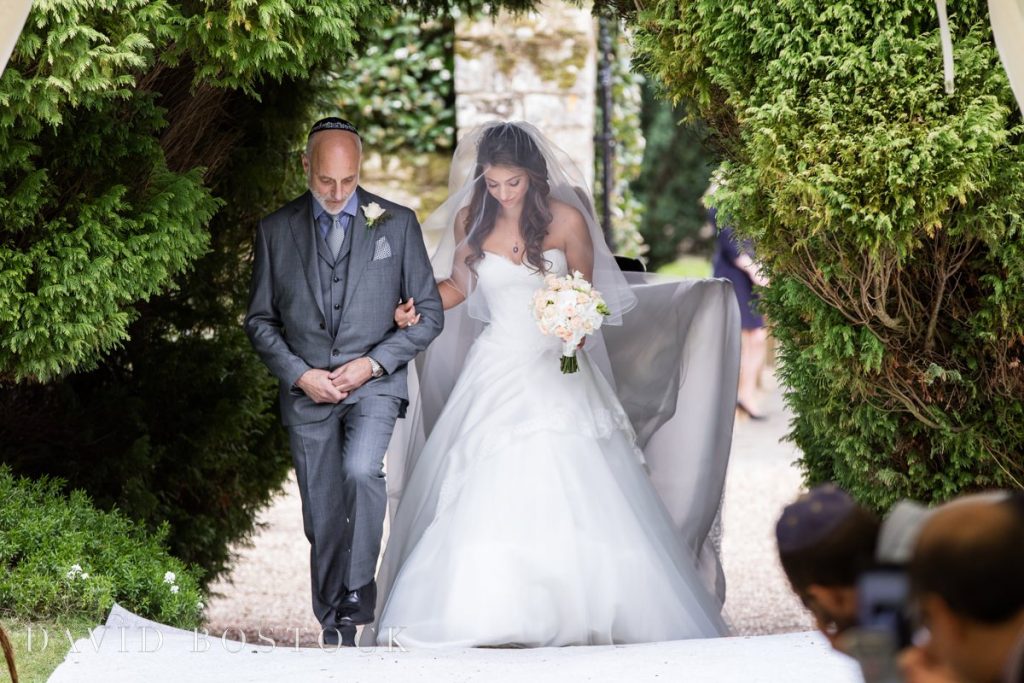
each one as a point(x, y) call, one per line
point(762, 479)
point(268, 590)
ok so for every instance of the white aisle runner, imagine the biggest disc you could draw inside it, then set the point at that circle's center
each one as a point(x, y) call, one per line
point(131, 649)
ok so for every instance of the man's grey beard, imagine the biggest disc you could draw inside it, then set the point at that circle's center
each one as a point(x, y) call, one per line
point(323, 200)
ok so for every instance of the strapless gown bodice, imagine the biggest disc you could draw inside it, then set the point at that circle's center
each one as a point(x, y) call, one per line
point(507, 289)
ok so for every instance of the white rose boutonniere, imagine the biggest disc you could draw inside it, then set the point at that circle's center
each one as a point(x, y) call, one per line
point(374, 213)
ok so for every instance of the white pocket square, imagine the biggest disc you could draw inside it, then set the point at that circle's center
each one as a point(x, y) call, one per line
point(382, 249)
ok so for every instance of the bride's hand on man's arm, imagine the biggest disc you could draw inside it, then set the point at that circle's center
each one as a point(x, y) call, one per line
point(406, 315)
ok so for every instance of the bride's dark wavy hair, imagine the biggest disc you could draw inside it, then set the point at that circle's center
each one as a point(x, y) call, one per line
point(507, 144)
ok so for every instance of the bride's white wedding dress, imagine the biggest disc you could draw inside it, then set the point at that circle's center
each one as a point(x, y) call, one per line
point(528, 519)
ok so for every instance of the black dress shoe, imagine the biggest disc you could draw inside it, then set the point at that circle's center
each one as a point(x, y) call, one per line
point(339, 636)
point(349, 604)
point(357, 606)
point(330, 635)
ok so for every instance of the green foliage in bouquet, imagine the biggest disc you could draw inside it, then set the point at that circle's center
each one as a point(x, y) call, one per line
point(64, 558)
point(888, 215)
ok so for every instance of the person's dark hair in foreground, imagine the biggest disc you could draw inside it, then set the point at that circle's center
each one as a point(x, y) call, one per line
point(967, 574)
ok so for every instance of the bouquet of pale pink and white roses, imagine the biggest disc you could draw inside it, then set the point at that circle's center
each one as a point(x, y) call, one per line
point(569, 308)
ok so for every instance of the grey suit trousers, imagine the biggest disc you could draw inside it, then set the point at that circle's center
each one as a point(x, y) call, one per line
point(339, 467)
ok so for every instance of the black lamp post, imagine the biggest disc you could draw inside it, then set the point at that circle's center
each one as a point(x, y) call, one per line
point(604, 139)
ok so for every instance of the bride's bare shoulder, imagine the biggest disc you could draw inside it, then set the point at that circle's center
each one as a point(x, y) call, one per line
point(566, 219)
point(568, 226)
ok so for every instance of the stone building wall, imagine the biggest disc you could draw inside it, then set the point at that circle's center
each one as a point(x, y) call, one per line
point(537, 67)
point(419, 181)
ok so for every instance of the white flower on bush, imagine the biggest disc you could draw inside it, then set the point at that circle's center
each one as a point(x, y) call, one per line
point(76, 573)
point(174, 589)
point(170, 577)
point(200, 605)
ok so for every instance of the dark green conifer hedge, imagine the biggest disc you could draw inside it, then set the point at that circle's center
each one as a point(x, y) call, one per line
point(888, 214)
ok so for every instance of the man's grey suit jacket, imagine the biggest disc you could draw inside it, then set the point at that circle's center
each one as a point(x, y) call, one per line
point(285, 320)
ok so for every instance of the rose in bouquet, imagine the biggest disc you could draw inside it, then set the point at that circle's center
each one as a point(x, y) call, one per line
point(569, 308)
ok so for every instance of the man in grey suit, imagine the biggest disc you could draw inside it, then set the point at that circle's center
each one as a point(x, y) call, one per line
point(330, 268)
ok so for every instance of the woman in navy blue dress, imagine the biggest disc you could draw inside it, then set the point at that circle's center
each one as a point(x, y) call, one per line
point(735, 261)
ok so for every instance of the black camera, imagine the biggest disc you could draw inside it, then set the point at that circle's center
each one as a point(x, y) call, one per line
point(884, 625)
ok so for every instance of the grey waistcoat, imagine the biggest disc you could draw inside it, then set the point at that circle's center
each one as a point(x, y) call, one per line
point(333, 277)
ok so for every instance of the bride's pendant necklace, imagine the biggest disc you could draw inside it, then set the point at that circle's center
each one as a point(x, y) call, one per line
point(515, 248)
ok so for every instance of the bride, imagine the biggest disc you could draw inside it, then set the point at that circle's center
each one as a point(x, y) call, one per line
point(527, 518)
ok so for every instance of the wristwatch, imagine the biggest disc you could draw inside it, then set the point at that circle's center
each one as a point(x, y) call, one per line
point(376, 369)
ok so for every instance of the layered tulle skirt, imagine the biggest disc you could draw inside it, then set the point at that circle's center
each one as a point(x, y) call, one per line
point(529, 520)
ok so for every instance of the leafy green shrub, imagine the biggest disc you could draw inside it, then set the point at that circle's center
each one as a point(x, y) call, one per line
point(675, 173)
point(888, 214)
point(140, 143)
point(62, 557)
point(400, 91)
point(106, 114)
point(179, 424)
